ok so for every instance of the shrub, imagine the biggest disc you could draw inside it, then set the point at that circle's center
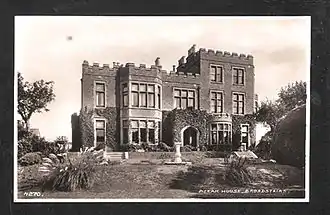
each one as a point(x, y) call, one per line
point(262, 150)
point(237, 174)
point(188, 148)
point(30, 158)
point(77, 174)
point(45, 147)
point(24, 146)
point(164, 147)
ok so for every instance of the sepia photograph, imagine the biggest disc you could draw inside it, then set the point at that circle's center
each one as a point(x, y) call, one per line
point(162, 108)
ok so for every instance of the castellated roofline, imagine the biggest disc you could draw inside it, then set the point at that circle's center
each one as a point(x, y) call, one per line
point(219, 53)
point(95, 67)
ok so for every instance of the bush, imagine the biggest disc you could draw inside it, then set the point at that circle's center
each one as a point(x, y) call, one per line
point(164, 147)
point(262, 150)
point(188, 148)
point(24, 146)
point(45, 147)
point(237, 174)
point(77, 174)
point(30, 158)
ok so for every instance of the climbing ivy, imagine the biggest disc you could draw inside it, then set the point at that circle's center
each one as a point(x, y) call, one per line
point(86, 123)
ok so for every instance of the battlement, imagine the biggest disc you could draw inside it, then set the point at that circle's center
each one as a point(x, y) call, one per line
point(217, 53)
point(95, 67)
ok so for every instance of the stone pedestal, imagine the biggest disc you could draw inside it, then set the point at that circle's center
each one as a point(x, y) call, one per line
point(177, 153)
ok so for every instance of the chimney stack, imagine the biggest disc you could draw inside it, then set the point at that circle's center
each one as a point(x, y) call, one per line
point(157, 62)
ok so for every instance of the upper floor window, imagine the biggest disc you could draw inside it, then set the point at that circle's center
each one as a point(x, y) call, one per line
point(238, 76)
point(184, 98)
point(100, 94)
point(100, 131)
point(125, 95)
point(216, 102)
point(238, 103)
point(143, 95)
point(158, 97)
point(216, 73)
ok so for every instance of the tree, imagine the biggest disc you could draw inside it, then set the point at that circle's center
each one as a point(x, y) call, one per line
point(269, 112)
point(33, 97)
point(292, 95)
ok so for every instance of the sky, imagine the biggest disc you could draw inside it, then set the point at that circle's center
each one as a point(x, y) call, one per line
point(43, 50)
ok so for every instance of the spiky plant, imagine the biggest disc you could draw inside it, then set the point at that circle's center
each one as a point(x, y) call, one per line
point(72, 175)
point(237, 173)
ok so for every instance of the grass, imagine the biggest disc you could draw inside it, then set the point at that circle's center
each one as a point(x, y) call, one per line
point(152, 179)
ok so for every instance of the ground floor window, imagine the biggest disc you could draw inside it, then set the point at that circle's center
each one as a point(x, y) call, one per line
point(220, 134)
point(99, 131)
point(140, 131)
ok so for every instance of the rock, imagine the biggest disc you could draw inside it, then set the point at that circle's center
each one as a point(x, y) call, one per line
point(289, 138)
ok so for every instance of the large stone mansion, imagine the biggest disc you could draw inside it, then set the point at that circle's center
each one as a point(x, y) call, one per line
point(207, 99)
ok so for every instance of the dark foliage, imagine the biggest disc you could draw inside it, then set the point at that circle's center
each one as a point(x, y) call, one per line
point(30, 158)
point(237, 174)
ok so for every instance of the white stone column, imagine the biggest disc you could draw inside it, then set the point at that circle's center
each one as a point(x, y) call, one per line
point(177, 153)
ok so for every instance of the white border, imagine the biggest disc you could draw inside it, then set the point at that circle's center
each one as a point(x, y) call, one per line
point(307, 167)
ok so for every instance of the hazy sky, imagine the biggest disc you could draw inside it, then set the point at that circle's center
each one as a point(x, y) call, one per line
point(280, 46)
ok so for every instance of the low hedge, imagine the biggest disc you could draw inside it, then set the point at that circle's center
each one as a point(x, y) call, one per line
point(30, 158)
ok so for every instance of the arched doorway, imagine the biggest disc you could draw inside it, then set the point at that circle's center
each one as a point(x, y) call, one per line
point(190, 136)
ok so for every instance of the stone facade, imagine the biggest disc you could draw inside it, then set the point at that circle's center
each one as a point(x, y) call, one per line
point(152, 105)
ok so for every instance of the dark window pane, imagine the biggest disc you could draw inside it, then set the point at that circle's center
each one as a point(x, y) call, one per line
point(221, 139)
point(159, 101)
point(151, 136)
point(135, 135)
point(125, 135)
point(214, 127)
point(143, 135)
point(125, 123)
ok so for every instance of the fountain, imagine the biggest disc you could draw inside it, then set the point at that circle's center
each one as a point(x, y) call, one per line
point(177, 159)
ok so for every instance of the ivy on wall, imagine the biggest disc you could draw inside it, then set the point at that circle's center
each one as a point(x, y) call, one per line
point(86, 123)
point(177, 119)
point(174, 121)
point(237, 120)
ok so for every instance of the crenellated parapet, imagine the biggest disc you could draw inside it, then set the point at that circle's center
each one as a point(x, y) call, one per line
point(96, 68)
point(225, 56)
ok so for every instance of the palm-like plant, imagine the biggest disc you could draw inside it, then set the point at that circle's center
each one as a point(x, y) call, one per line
point(72, 174)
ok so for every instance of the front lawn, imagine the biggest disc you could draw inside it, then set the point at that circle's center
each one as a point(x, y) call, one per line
point(152, 179)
